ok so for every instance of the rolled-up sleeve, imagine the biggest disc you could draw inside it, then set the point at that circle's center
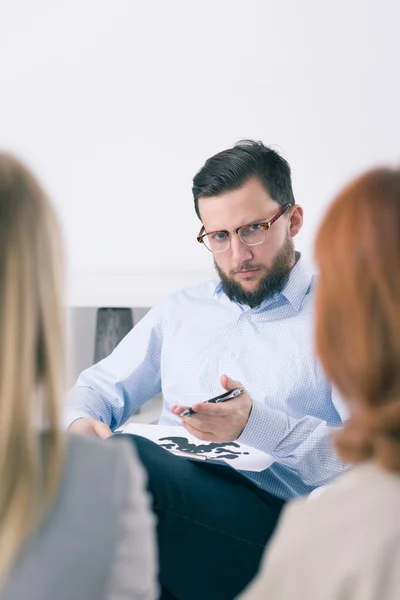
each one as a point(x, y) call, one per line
point(114, 388)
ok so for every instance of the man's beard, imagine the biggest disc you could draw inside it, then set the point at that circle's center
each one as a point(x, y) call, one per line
point(272, 282)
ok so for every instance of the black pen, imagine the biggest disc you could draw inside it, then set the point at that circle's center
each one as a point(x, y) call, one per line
point(221, 398)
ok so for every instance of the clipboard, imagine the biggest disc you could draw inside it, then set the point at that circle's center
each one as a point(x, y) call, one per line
point(195, 457)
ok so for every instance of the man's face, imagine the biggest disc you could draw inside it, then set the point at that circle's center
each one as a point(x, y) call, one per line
point(244, 268)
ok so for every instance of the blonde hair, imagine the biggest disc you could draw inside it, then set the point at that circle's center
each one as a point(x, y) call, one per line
point(31, 357)
point(358, 313)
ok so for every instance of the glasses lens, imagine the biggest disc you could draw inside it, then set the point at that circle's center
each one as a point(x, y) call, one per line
point(252, 234)
point(217, 242)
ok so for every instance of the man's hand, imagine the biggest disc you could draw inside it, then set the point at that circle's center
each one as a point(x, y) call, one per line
point(222, 422)
point(87, 426)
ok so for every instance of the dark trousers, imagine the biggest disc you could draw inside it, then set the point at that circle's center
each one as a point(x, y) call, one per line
point(213, 525)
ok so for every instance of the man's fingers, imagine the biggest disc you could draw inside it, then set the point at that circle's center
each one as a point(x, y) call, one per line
point(202, 423)
point(177, 410)
point(89, 426)
point(201, 435)
point(228, 383)
point(102, 431)
point(221, 409)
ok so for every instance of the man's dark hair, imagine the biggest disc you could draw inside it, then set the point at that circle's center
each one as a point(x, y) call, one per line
point(230, 169)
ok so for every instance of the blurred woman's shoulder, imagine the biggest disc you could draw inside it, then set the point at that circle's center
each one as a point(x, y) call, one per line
point(340, 508)
point(101, 515)
point(341, 544)
point(85, 452)
point(349, 536)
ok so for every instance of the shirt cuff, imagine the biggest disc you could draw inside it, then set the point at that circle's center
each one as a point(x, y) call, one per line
point(265, 429)
point(69, 418)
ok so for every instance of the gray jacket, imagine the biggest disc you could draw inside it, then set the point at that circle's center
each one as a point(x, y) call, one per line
point(98, 541)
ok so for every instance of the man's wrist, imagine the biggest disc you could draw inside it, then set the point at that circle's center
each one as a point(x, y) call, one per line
point(265, 428)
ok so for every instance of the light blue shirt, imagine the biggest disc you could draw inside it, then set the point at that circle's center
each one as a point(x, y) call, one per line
point(182, 346)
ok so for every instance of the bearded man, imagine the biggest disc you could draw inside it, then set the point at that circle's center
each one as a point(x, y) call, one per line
point(251, 328)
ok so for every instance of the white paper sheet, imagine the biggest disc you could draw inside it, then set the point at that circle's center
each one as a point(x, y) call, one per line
point(171, 437)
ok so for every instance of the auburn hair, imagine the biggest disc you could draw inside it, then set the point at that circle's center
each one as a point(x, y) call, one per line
point(358, 313)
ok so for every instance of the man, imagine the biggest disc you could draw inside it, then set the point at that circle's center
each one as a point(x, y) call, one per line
point(253, 328)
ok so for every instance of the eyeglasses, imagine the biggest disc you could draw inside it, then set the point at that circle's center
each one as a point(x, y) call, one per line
point(251, 235)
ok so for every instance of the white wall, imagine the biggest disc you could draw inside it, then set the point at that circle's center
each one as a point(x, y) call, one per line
point(118, 103)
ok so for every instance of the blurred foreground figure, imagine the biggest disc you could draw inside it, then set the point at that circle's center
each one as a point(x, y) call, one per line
point(345, 545)
point(74, 516)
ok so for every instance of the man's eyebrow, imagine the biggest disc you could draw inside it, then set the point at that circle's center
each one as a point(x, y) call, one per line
point(253, 222)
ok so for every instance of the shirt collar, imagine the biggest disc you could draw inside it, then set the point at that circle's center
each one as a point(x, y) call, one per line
point(294, 291)
point(298, 284)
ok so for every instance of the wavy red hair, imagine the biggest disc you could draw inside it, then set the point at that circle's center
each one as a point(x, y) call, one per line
point(358, 313)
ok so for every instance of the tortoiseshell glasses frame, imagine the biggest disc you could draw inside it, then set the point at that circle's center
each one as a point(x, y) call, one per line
point(246, 234)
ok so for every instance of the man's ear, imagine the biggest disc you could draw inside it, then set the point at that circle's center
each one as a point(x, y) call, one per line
point(296, 220)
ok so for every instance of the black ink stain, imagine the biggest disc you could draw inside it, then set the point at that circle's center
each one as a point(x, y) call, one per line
point(183, 444)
